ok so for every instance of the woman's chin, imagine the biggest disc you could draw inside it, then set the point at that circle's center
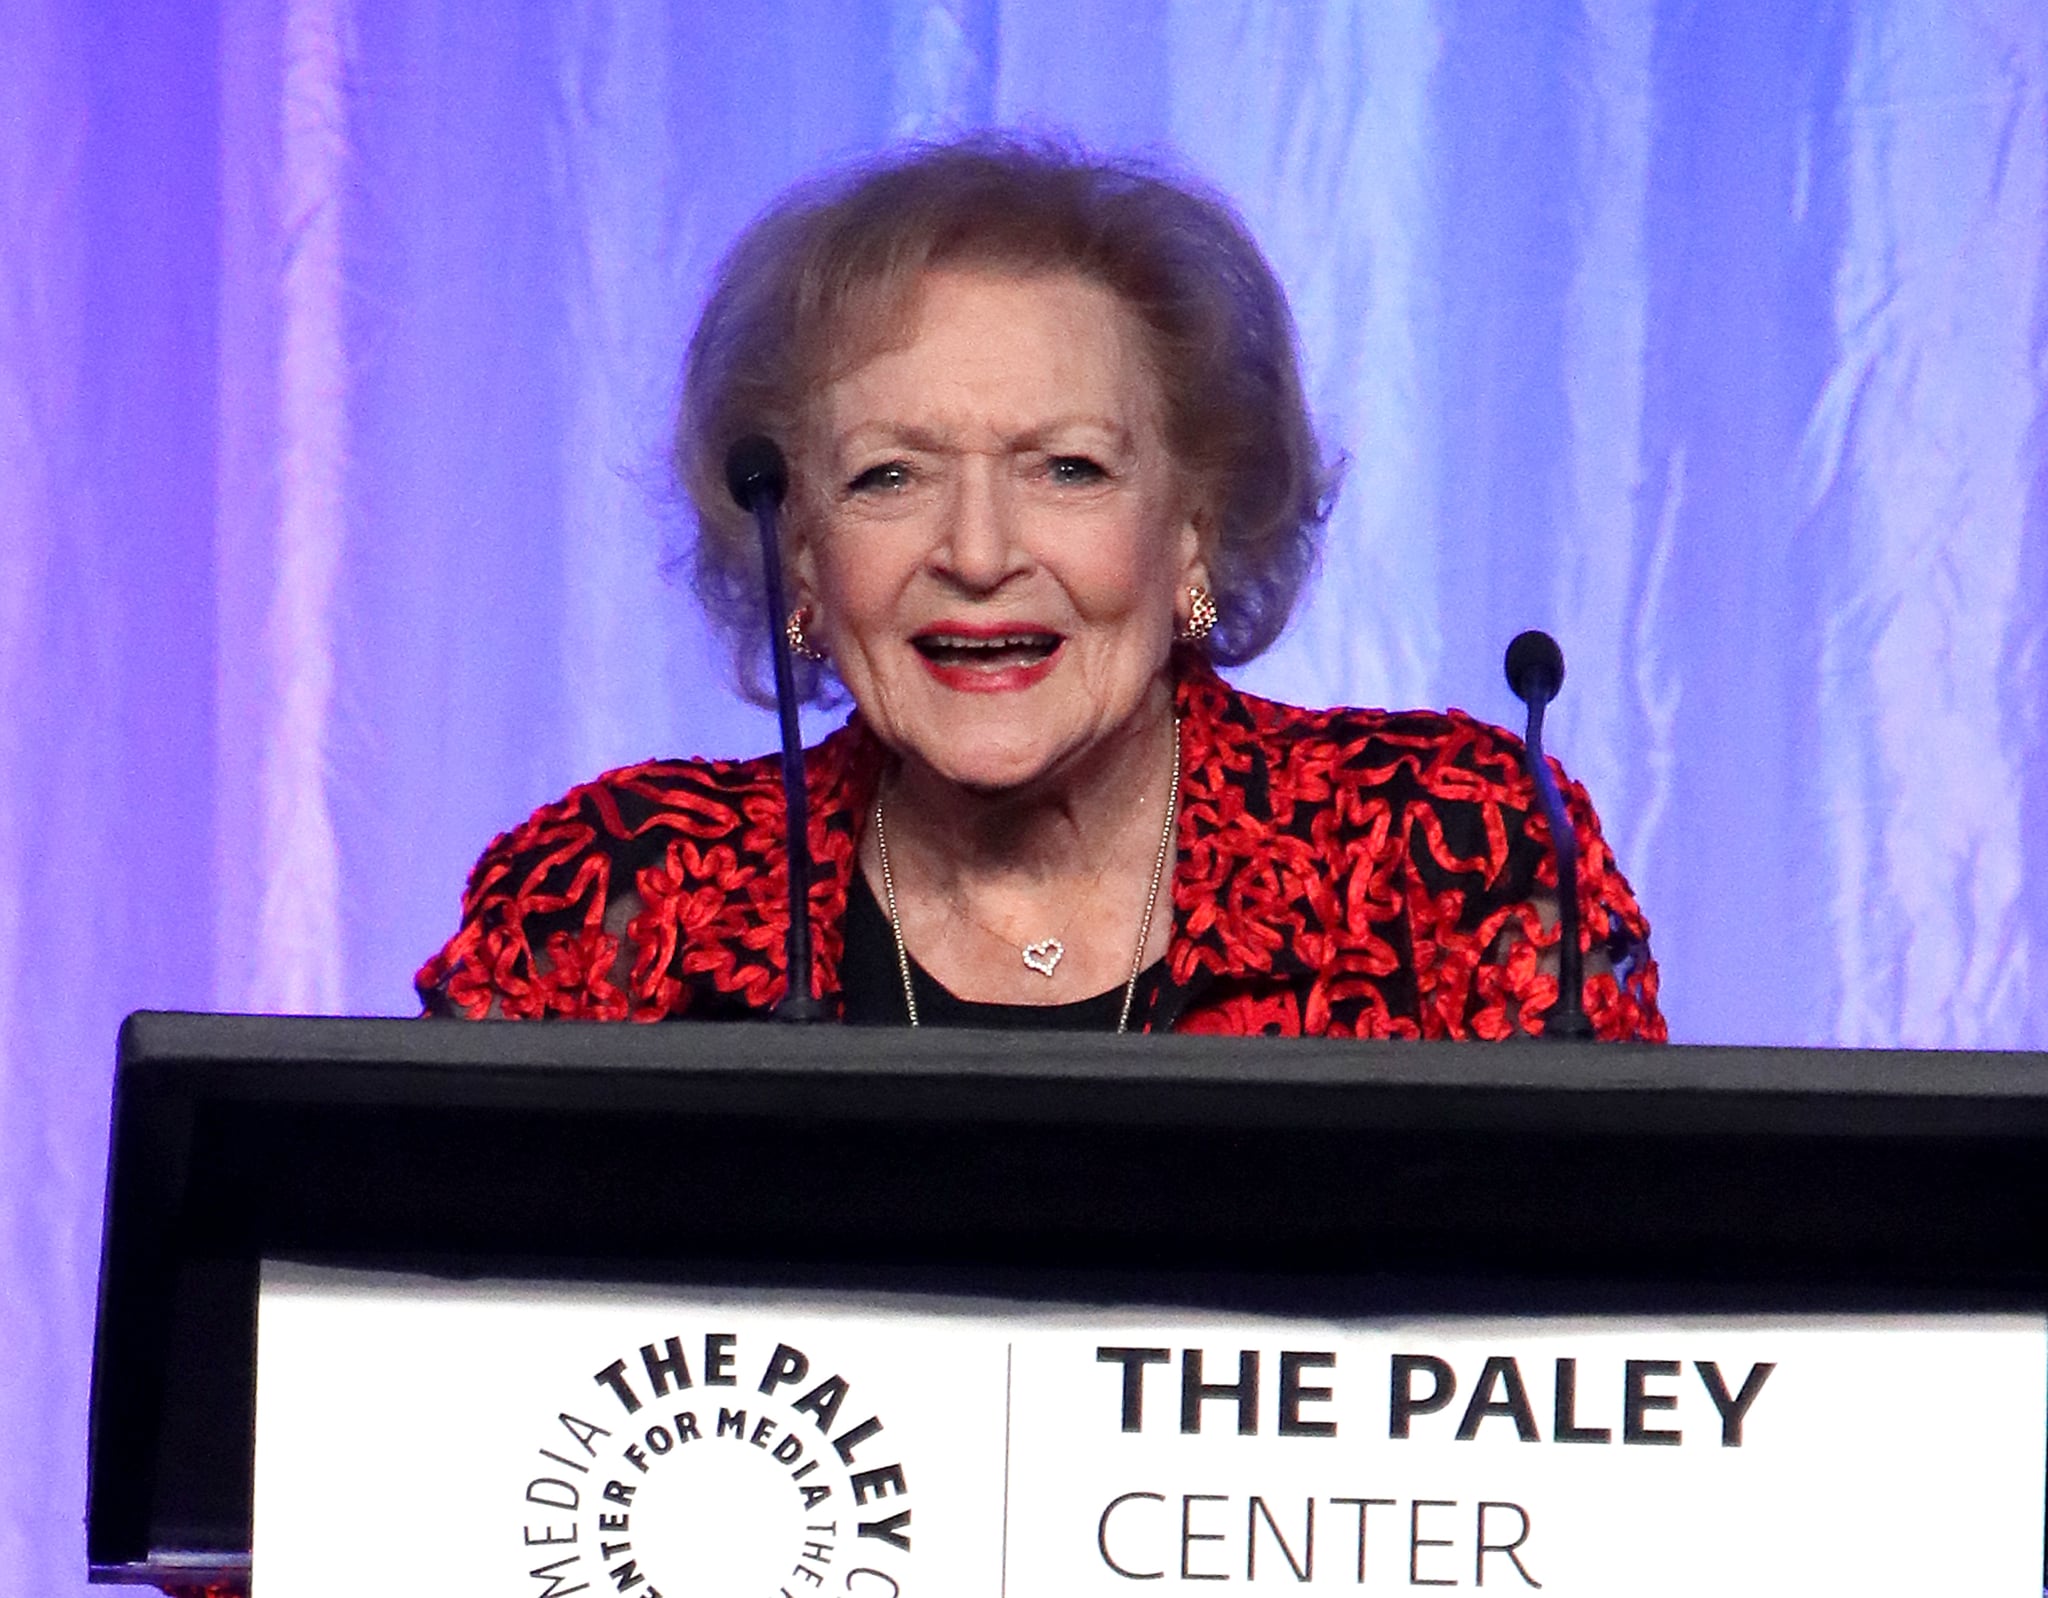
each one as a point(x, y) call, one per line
point(990, 772)
point(1031, 748)
point(989, 756)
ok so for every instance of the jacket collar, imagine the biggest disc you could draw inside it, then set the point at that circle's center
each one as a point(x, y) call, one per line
point(1233, 899)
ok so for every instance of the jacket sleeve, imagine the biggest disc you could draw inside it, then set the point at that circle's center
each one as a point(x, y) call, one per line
point(1483, 908)
point(540, 933)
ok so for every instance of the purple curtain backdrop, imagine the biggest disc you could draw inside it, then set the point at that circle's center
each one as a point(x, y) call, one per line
point(336, 338)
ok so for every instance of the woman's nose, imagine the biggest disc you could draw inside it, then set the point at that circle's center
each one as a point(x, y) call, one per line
point(979, 547)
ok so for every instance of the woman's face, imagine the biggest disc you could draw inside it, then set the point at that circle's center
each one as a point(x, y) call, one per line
point(994, 537)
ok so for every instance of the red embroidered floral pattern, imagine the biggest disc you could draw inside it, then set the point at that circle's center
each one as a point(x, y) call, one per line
point(1341, 873)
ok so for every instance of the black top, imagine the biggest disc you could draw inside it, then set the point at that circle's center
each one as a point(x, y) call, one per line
point(873, 986)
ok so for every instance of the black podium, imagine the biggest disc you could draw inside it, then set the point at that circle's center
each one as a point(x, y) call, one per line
point(1263, 1174)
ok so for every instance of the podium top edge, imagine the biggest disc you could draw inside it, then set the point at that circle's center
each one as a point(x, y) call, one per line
point(158, 1040)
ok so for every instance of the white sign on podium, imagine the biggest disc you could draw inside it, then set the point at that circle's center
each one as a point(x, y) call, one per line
point(542, 1441)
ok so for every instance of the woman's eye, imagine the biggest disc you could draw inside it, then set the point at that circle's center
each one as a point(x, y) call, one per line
point(883, 479)
point(1074, 469)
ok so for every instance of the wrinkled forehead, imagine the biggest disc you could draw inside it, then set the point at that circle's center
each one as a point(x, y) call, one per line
point(883, 314)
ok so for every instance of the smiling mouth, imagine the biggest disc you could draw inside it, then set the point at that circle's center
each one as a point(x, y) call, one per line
point(995, 652)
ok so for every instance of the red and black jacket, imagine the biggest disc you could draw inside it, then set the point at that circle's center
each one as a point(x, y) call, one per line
point(1344, 873)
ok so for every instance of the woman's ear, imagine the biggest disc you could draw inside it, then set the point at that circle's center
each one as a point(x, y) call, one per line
point(802, 566)
point(1197, 544)
point(801, 626)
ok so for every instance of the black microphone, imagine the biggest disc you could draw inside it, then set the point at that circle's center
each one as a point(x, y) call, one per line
point(1535, 671)
point(1535, 668)
point(754, 471)
point(758, 478)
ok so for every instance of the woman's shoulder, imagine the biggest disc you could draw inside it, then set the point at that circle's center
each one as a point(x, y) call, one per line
point(1450, 751)
point(649, 802)
point(548, 901)
point(671, 780)
point(606, 819)
point(1349, 726)
point(538, 933)
point(619, 803)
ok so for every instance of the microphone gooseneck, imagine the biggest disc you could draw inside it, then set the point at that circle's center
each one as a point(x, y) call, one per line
point(758, 477)
point(1535, 672)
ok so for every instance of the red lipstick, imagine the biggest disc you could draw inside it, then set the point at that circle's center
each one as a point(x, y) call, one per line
point(985, 657)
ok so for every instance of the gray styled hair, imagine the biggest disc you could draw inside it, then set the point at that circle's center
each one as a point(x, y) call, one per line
point(828, 275)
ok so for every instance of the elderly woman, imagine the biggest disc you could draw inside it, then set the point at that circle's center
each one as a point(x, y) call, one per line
point(1050, 465)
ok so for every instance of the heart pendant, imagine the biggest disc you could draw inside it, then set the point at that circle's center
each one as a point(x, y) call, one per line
point(1044, 955)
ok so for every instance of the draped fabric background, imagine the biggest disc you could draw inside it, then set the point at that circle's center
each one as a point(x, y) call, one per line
point(335, 343)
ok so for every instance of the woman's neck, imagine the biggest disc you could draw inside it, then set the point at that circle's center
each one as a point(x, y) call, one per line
point(981, 878)
point(1065, 826)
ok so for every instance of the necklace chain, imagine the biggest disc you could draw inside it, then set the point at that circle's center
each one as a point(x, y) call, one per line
point(1159, 860)
point(1042, 955)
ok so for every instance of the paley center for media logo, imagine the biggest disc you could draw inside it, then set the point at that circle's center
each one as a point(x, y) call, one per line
point(717, 1463)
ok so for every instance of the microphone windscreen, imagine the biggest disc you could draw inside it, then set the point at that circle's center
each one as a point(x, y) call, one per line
point(754, 471)
point(1534, 666)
